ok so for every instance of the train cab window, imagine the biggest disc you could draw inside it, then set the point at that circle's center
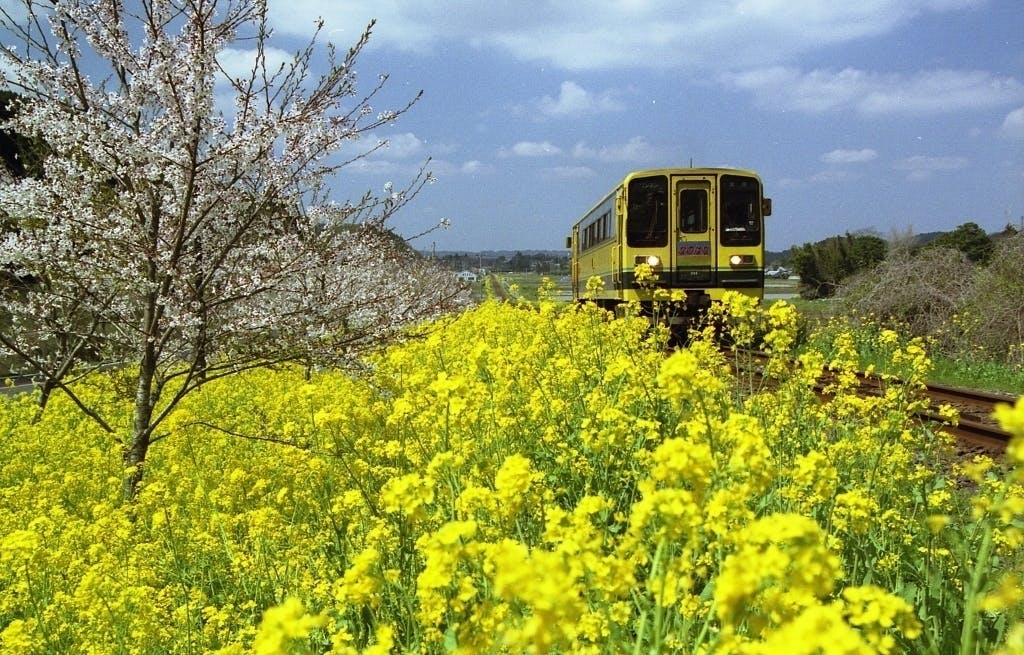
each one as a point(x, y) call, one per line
point(740, 211)
point(693, 211)
point(647, 212)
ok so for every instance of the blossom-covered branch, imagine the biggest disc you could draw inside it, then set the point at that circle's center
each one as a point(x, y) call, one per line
point(182, 240)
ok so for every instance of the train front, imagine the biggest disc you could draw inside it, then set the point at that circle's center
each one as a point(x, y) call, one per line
point(691, 235)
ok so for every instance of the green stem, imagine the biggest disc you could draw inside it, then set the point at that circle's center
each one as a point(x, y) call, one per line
point(659, 610)
point(972, 594)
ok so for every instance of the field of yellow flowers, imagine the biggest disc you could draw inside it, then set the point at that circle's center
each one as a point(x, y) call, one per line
point(519, 479)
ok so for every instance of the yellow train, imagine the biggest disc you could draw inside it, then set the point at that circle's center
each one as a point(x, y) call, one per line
point(691, 233)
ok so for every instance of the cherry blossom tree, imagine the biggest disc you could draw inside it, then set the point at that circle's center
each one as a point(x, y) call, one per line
point(179, 241)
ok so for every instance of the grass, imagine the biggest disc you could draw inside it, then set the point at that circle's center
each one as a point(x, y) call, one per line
point(986, 375)
point(525, 285)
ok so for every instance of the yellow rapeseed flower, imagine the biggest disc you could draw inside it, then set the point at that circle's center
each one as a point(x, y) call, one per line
point(514, 481)
point(409, 494)
point(283, 624)
point(781, 565)
point(18, 637)
point(1011, 418)
point(855, 511)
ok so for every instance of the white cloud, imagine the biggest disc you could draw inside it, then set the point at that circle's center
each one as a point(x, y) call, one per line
point(531, 149)
point(572, 172)
point(400, 146)
point(1013, 124)
point(636, 150)
point(574, 100)
point(403, 23)
point(783, 88)
point(919, 162)
point(873, 94)
point(696, 35)
point(238, 64)
point(939, 92)
point(582, 151)
point(390, 152)
point(830, 177)
point(396, 155)
point(921, 167)
point(821, 178)
point(367, 166)
point(474, 166)
point(791, 183)
point(849, 156)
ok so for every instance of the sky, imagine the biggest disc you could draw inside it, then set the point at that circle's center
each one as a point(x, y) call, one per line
point(892, 116)
point(889, 116)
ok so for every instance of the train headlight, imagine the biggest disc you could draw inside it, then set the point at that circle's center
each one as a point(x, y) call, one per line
point(741, 260)
point(651, 260)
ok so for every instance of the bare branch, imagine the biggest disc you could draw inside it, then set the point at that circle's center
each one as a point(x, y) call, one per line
point(281, 441)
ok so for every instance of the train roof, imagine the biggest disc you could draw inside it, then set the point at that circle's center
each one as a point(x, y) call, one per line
point(710, 170)
point(698, 170)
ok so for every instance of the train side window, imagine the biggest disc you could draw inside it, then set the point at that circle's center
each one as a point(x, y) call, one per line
point(647, 212)
point(693, 211)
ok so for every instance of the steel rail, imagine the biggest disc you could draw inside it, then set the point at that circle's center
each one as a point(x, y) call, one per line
point(974, 407)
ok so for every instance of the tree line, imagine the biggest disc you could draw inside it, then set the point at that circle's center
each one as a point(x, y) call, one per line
point(546, 262)
point(824, 266)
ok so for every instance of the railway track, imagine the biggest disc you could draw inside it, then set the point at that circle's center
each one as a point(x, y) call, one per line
point(976, 426)
point(975, 430)
point(497, 288)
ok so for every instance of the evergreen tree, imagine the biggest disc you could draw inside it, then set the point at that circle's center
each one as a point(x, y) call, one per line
point(969, 239)
point(823, 265)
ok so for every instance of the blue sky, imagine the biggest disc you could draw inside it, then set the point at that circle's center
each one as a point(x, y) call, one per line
point(888, 115)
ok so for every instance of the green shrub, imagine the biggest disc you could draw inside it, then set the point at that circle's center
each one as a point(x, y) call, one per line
point(822, 266)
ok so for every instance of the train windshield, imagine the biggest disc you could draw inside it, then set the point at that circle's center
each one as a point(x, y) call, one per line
point(647, 212)
point(741, 211)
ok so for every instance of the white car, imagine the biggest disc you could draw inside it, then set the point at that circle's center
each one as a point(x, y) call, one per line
point(778, 272)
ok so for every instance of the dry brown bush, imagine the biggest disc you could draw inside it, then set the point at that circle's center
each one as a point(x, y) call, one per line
point(996, 309)
point(966, 309)
point(919, 293)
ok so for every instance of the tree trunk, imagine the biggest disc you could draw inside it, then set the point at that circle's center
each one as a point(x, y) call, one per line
point(135, 450)
point(134, 458)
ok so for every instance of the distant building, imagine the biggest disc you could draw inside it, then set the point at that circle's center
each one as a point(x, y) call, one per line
point(466, 276)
